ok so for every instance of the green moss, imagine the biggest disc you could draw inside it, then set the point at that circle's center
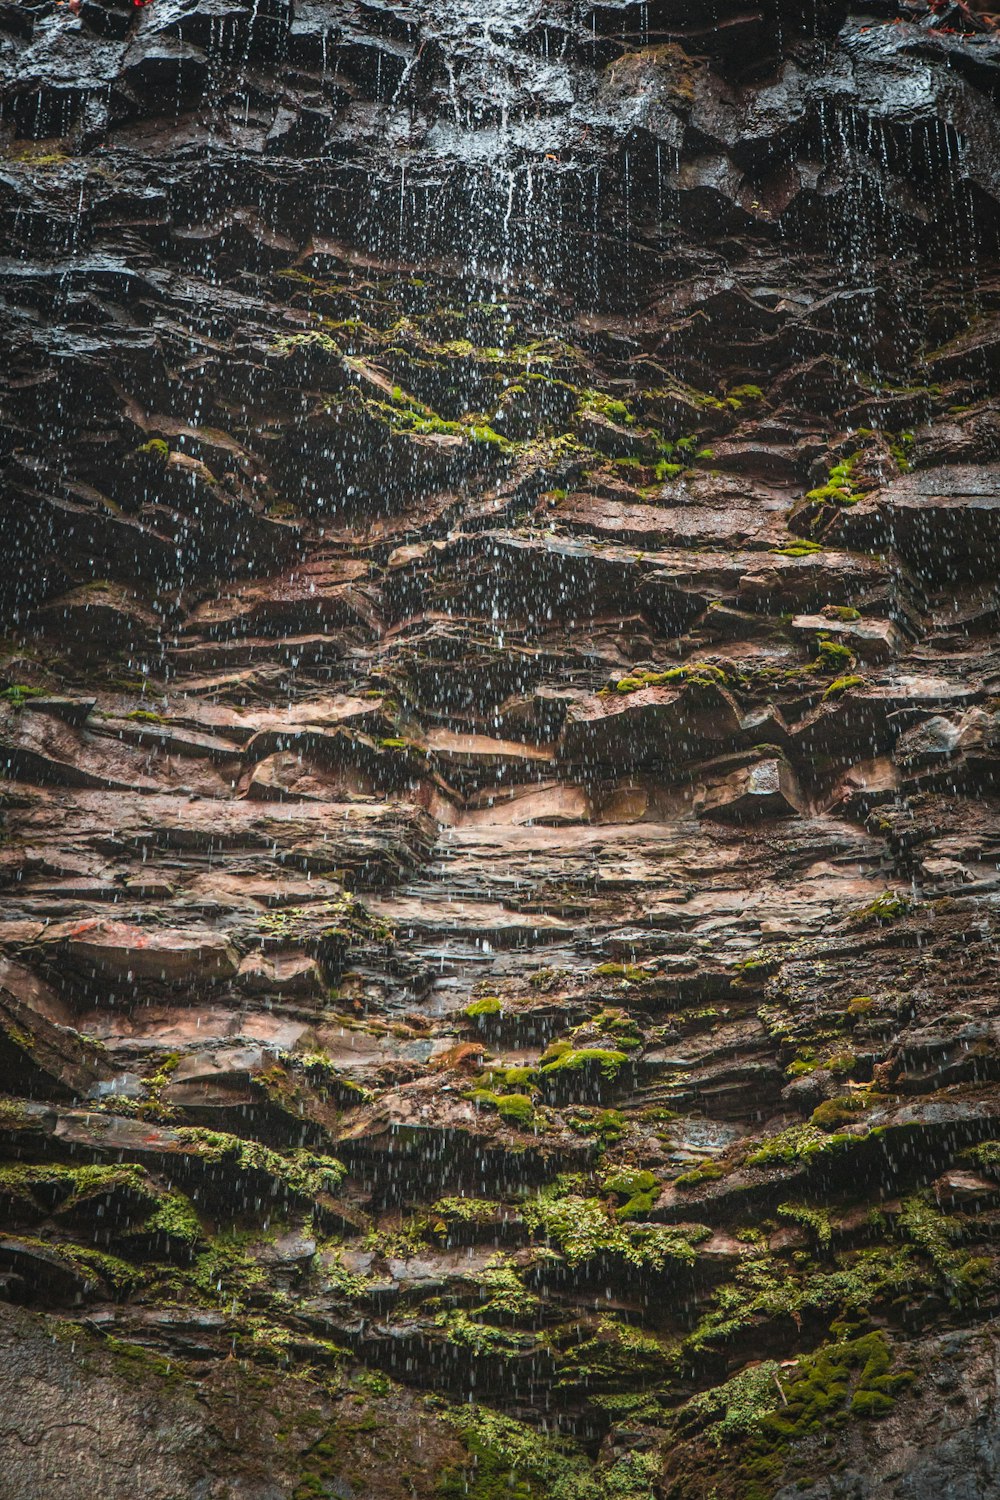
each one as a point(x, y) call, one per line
point(902, 451)
point(607, 406)
point(801, 547)
point(141, 1364)
point(618, 1355)
point(765, 1290)
point(155, 449)
point(37, 159)
point(889, 907)
point(583, 1229)
point(176, 1219)
point(747, 392)
point(517, 1079)
point(632, 973)
point(736, 1408)
point(606, 1125)
point(488, 1006)
point(506, 1460)
point(547, 979)
point(118, 1275)
point(971, 1277)
point(507, 1295)
point(986, 1155)
point(14, 1115)
point(840, 1064)
point(833, 1113)
point(640, 1188)
point(831, 655)
point(515, 1109)
point(700, 672)
point(322, 1073)
point(287, 344)
point(842, 685)
point(224, 1272)
point(709, 1171)
point(300, 1172)
point(759, 965)
point(607, 1061)
point(70, 1186)
point(144, 716)
point(462, 1328)
point(343, 1282)
point(618, 1023)
point(752, 1420)
point(861, 1005)
point(839, 1381)
point(921, 1222)
point(800, 1143)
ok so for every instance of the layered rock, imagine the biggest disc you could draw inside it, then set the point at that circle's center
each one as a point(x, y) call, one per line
point(499, 728)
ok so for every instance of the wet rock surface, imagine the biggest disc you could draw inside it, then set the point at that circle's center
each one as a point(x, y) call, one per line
point(500, 725)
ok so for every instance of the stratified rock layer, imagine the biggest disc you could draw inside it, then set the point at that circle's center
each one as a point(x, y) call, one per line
point(500, 716)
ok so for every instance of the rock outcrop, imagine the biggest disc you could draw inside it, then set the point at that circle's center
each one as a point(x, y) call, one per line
point(500, 727)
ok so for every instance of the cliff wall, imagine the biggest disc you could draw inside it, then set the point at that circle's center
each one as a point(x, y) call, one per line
point(500, 719)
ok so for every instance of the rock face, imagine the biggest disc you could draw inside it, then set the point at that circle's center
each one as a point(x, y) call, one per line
point(500, 728)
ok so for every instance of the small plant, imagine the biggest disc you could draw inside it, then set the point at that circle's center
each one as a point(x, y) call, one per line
point(816, 1220)
point(840, 487)
point(19, 693)
point(889, 907)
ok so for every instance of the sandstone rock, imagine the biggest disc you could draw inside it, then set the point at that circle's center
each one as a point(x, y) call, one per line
point(870, 640)
point(653, 723)
point(119, 951)
point(281, 974)
point(766, 789)
point(941, 521)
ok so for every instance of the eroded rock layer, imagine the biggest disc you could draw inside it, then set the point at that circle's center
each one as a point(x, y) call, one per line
point(500, 718)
